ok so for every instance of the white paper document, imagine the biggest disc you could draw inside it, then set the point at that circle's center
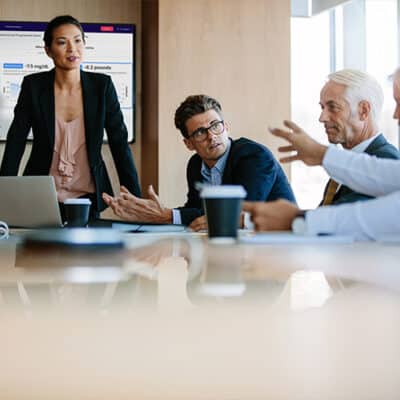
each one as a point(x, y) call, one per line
point(395, 239)
point(293, 238)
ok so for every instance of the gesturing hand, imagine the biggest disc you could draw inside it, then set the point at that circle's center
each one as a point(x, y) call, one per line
point(131, 208)
point(308, 150)
point(271, 216)
point(199, 224)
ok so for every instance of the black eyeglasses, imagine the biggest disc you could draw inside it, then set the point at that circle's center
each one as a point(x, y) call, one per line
point(201, 134)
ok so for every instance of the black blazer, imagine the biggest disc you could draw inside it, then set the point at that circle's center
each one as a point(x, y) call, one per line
point(36, 109)
point(249, 164)
point(379, 147)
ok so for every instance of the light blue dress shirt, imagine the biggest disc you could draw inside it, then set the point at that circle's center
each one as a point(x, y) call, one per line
point(211, 176)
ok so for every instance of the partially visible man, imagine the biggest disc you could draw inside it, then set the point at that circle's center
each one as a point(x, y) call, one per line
point(351, 103)
point(218, 159)
point(396, 94)
point(375, 177)
point(366, 220)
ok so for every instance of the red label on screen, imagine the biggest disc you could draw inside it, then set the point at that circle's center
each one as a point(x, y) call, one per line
point(107, 28)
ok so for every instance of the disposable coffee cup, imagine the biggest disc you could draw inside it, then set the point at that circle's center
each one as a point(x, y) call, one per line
point(77, 212)
point(222, 205)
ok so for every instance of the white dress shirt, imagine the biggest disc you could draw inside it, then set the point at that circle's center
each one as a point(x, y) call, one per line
point(366, 220)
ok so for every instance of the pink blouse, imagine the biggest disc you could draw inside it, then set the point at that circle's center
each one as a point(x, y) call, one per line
point(70, 165)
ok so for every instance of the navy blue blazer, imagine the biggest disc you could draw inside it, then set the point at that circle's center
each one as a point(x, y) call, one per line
point(379, 147)
point(36, 109)
point(249, 164)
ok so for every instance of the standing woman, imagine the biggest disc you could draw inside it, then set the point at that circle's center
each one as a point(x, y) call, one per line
point(68, 110)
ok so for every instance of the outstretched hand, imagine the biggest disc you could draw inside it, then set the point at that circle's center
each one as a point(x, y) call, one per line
point(131, 208)
point(306, 149)
point(199, 224)
point(271, 216)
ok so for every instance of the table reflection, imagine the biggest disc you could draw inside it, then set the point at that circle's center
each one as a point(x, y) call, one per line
point(306, 289)
point(161, 274)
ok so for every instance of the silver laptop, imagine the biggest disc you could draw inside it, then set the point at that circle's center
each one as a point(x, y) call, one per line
point(29, 202)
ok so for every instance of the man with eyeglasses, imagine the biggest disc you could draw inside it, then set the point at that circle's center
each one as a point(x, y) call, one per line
point(218, 160)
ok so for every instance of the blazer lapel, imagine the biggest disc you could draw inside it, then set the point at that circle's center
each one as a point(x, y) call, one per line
point(227, 176)
point(89, 109)
point(376, 144)
point(47, 106)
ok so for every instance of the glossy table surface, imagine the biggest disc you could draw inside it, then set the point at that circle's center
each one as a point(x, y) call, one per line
point(177, 317)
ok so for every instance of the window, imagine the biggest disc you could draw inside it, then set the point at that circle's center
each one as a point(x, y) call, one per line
point(359, 34)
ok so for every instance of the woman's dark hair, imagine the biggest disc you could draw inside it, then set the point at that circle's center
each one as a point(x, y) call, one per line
point(58, 21)
point(192, 106)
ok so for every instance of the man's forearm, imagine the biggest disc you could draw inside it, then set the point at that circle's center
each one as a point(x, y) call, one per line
point(366, 220)
point(363, 173)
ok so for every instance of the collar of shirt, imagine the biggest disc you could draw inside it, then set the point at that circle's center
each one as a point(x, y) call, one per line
point(361, 147)
point(213, 176)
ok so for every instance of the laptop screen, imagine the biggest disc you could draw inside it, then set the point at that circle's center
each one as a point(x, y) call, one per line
point(29, 202)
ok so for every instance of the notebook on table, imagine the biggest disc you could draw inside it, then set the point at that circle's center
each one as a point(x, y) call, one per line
point(29, 202)
point(136, 227)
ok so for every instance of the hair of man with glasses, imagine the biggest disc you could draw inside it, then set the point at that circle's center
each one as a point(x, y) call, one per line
point(192, 106)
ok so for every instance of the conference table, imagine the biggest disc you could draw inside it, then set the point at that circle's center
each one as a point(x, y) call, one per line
point(176, 316)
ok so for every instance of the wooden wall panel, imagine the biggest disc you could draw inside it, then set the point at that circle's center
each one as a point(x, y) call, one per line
point(123, 11)
point(235, 50)
point(150, 83)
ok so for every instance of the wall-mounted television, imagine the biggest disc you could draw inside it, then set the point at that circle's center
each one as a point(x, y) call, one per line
point(110, 49)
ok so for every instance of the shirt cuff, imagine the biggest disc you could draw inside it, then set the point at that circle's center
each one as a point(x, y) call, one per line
point(176, 217)
point(320, 220)
point(247, 222)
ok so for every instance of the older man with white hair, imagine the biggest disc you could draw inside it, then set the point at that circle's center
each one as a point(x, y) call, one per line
point(351, 103)
point(366, 220)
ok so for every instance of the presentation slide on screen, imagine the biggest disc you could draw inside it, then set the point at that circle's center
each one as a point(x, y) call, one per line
point(109, 50)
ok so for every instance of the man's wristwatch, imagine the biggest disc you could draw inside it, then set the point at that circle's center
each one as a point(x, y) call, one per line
point(299, 223)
